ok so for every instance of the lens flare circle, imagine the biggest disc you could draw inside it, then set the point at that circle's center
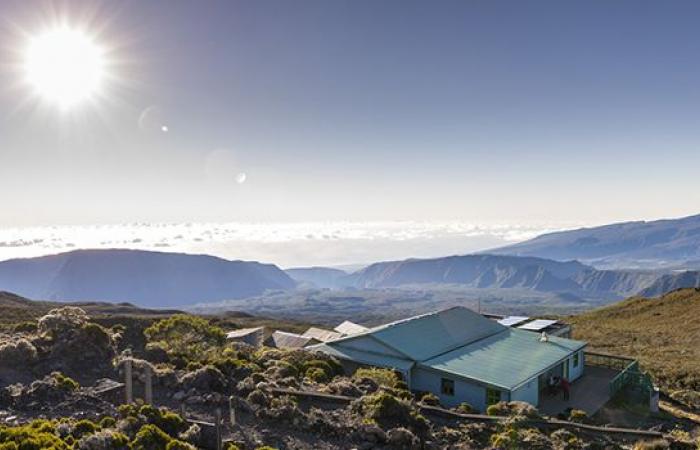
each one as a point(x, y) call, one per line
point(64, 66)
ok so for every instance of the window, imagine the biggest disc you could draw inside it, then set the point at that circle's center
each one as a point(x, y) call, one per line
point(493, 396)
point(577, 357)
point(447, 386)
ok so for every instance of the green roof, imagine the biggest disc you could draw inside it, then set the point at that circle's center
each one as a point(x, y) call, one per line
point(372, 359)
point(422, 337)
point(507, 359)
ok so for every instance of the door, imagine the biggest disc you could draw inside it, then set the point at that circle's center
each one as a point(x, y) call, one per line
point(566, 368)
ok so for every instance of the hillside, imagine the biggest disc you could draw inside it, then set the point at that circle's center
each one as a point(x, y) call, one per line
point(151, 279)
point(663, 333)
point(322, 277)
point(504, 272)
point(671, 282)
point(669, 243)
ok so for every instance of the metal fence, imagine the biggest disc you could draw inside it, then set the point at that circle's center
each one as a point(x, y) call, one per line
point(629, 374)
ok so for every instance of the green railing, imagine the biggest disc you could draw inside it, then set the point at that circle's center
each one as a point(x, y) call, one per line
point(630, 374)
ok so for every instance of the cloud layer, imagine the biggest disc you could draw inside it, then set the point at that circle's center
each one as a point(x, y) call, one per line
point(285, 244)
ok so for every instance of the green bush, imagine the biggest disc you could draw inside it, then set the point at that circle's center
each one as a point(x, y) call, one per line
point(317, 375)
point(25, 327)
point(108, 422)
point(179, 445)
point(82, 428)
point(186, 337)
point(430, 399)
point(64, 382)
point(576, 415)
point(150, 437)
point(97, 335)
point(388, 411)
point(383, 377)
point(165, 420)
point(465, 408)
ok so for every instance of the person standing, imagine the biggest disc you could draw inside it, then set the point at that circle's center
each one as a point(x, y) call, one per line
point(565, 387)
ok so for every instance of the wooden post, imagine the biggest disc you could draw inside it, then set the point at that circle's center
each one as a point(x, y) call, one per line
point(148, 387)
point(232, 411)
point(128, 381)
point(218, 429)
point(182, 410)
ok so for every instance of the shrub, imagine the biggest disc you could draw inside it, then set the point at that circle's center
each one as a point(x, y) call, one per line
point(383, 377)
point(465, 408)
point(25, 327)
point(576, 415)
point(61, 320)
point(65, 383)
point(316, 374)
point(108, 422)
point(389, 411)
point(187, 337)
point(179, 445)
point(104, 440)
point(165, 420)
point(97, 335)
point(17, 352)
point(230, 446)
point(430, 399)
point(82, 428)
point(150, 437)
point(657, 444)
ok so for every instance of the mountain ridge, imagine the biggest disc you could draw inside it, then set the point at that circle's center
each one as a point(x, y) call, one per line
point(663, 243)
point(155, 279)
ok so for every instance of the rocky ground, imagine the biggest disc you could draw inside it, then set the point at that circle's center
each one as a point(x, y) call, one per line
point(66, 370)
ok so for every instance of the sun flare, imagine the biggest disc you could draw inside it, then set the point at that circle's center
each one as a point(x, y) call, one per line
point(64, 66)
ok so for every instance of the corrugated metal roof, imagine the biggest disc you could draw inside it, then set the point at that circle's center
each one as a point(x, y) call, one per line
point(423, 337)
point(537, 325)
point(507, 359)
point(321, 334)
point(282, 339)
point(243, 332)
point(372, 359)
point(510, 321)
point(348, 328)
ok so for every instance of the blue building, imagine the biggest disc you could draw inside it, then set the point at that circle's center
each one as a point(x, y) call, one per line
point(461, 356)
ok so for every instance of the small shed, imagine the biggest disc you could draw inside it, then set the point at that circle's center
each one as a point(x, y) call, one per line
point(321, 335)
point(283, 339)
point(251, 336)
point(347, 328)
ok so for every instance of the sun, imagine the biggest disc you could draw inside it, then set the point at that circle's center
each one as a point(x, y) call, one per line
point(64, 66)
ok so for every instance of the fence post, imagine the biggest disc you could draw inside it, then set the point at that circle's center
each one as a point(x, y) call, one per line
point(128, 381)
point(148, 387)
point(218, 429)
point(232, 411)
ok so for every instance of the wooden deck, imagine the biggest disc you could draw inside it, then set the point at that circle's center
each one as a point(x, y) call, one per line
point(589, 393)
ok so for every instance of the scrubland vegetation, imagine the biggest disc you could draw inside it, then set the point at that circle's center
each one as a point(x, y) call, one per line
point(662, 333)
point(48, 369)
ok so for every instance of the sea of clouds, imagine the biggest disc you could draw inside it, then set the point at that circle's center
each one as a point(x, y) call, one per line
point(285, 244)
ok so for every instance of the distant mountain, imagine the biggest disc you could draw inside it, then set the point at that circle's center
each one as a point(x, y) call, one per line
point(151, 279)
point(671, 282)
point(321, 277)
point(667, 243)
point(498, 272)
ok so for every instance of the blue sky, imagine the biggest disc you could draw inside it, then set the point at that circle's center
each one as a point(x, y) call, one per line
point(475, 111)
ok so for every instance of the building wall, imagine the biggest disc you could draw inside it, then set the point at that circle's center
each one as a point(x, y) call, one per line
point(430, 381)
point(529, 392)
point(576, 372)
